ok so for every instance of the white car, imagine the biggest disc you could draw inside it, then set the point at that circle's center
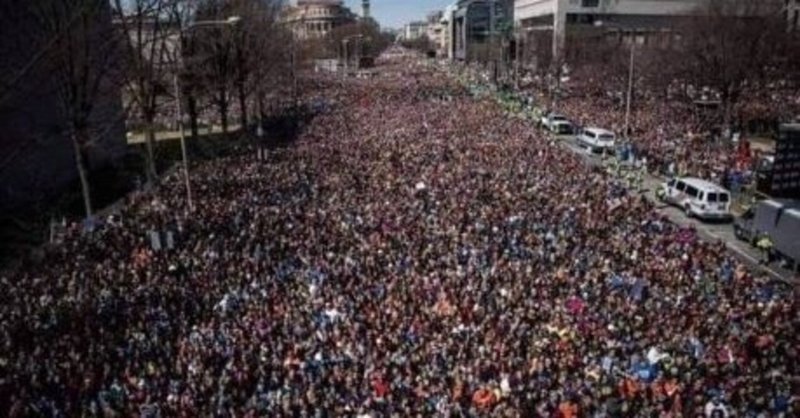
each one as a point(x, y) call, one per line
point(597, 139)
point(699, 198)
point(549, 121)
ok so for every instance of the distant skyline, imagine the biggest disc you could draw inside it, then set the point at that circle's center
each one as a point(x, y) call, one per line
point(396, 13)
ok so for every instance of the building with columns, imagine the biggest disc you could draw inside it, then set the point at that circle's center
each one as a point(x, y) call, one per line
point(312, 19)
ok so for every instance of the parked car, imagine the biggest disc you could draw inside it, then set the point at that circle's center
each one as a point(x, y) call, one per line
point(698, 198)
point(779, 219)
point(549, 120)
point(597, 139)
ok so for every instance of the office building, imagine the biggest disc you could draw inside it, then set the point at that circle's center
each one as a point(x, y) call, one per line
point(480, 28)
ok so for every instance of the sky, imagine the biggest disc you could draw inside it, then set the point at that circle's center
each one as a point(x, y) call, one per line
point(396, 13)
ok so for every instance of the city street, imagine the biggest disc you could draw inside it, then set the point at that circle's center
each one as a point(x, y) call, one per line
point(707, 230)
point(385, 228)
point(415, 251)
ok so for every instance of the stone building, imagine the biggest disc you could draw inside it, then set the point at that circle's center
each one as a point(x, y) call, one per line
point(312, 19)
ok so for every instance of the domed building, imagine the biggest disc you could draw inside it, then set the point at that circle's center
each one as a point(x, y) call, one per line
point(315, 18)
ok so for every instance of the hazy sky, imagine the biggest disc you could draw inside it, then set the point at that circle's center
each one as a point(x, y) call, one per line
point(396, 13)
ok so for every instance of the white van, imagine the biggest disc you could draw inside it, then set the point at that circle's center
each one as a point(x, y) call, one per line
point(597, 139)
point(562, 127)
point(698, 197)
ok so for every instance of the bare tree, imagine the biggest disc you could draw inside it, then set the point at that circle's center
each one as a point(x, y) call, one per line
point(268, 52)
point(81, 56)
point(150, 33)
point(730, 46)
point(213, 56)
point(255, 49)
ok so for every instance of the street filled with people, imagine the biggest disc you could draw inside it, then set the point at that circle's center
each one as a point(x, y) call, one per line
point(415, 252)
point(675, 130)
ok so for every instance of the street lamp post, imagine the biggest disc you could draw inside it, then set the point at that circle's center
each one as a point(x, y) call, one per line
point(293, 64)
point(630, 91)
point(357, 45)
point(293, 51)
point(184, 155)
point(345, 57)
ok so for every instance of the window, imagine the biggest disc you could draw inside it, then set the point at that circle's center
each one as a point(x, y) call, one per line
point(700, 196)
point(724, 197)
point(590, 3)
point(671, 183)
point(692, 191)
point(712, 197)
point(607, 137)
point(681, 186)
point(590, 134)
point(565, 128)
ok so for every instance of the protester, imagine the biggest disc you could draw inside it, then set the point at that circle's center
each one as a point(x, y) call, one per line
point(414, 253)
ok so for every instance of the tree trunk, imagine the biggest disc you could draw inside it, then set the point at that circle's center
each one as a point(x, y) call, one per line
point(150, 158)
point(726, 120)
point(727, 100)
point(261, 114)
point(242, 104)
point(192, 110)
point(78, 137)
point(222, 104)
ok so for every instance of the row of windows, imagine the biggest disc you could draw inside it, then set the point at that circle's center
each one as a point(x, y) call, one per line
point(699, 194)
point(319, 26)
point(317, 11)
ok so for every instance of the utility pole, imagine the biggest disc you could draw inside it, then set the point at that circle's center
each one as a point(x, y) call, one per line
point(345, 43)
point(293, 46)
point(517, 59)
point(630, 91)
point(184, 155)
point(493, 40)
point(294, 71)
point(233, 20)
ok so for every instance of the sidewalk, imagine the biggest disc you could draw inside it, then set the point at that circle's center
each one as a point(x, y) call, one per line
point(138, 138)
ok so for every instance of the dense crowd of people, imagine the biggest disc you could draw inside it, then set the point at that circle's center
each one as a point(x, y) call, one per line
point(675, 132)
point(414, 253)
point(670, 135)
